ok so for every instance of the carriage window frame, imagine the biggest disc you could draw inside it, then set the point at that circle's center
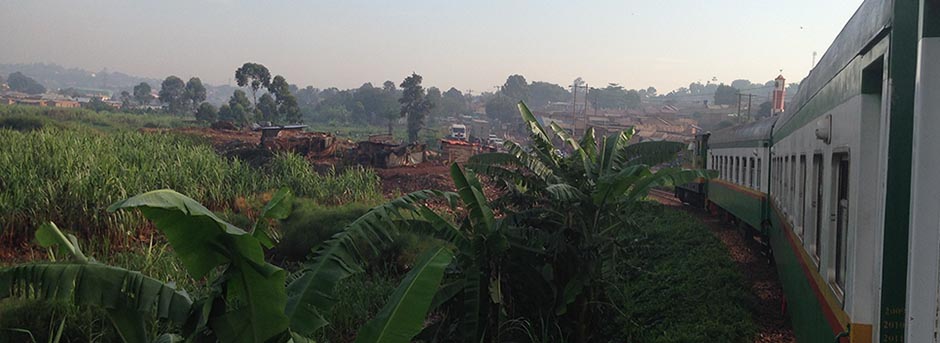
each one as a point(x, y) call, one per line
point(818, 193)
point(840, 186)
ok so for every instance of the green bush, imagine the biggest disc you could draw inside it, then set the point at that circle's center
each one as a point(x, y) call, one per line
point(676, 283)
point(20, 123)
point(310, 224)
point(359, 298)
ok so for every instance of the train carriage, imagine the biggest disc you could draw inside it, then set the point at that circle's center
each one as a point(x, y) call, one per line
point(741, 156)
point(832, 183)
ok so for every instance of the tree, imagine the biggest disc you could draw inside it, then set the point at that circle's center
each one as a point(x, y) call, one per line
point(414, 105)
point(239, 108)
point(98, 105)
point(173, 93)
point(254, 76)
point(516, 88)
point(207, 113)
point(651, 91)
point(225, 113)
point(451, 103)
point(389, 108)
point(543, 93)
point(22, 83)
point(239, 98)
point(268, 108)
point(501, 108)
point(125, 100)
point(286, 104)
point(142, 93)
point(742, 84)
point(765, 109)
point(613, 96)
point(726, 95)
point(389, 87)
point(435, 97)
point(195, 92)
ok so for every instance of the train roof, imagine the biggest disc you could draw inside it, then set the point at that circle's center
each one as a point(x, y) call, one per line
point(870, 21)
point(745, 135)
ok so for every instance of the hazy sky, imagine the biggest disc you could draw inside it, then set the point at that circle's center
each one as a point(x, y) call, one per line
point(467, 44)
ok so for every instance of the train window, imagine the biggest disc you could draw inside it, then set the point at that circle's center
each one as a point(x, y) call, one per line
point(773, 177)
point(801, 203)
point(786, 185)
point(724, 168)
point(731, 176)
point(737, 170)
point(816, 205)
point(792, 192)
point(750, 173)
point(840, 184)
point(757, 181)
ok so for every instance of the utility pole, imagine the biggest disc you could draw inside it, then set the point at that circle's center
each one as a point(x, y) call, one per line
point(584, 111)
point(469, 100)
point(574, 100)
point(749, 106)
point(739, 106)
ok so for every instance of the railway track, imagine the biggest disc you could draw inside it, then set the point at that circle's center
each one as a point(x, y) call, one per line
point(664, 197)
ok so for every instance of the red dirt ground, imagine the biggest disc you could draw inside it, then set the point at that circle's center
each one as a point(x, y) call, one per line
point(403, 180)
point(773, 324)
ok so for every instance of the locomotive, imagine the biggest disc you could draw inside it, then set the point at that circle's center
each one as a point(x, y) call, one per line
point(842, 186)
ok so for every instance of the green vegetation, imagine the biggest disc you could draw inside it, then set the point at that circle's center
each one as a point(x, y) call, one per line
point(568, 251)
point(247, 299)
point(69, 176)
point(82, 119)
point(677, 283)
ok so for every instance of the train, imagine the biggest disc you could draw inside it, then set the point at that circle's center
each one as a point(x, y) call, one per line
point(842, 188)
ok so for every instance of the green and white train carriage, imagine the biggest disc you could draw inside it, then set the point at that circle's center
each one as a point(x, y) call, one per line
point(853, 220)
point(741, 155)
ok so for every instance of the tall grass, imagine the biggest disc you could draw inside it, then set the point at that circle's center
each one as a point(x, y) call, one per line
point(86, 119)
point(70, 177)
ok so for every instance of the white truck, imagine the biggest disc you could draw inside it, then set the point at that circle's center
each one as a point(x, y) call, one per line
point(458, 131)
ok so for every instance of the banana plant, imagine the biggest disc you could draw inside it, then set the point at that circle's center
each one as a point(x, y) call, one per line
point(127, 296)
point(587, 196)
point(247, 299)
point(478, 238)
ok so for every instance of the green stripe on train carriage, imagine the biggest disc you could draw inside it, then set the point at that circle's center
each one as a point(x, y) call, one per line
point(842, 87)
point(739, 144)
point(902, 63)
point(744, 206)
point(803, 306)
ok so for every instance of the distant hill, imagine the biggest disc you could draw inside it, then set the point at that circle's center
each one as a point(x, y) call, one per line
point(55, 77)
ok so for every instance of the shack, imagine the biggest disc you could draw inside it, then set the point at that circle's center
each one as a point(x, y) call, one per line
point(388, 155)
point(460, 151)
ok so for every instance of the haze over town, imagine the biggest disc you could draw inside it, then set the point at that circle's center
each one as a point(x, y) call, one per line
point(665, 44)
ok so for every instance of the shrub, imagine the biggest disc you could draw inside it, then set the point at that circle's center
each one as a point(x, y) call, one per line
point(311, 224)
point(20, 123)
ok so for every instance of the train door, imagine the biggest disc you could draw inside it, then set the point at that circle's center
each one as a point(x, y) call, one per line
point(840, 185)
point(816, 204)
